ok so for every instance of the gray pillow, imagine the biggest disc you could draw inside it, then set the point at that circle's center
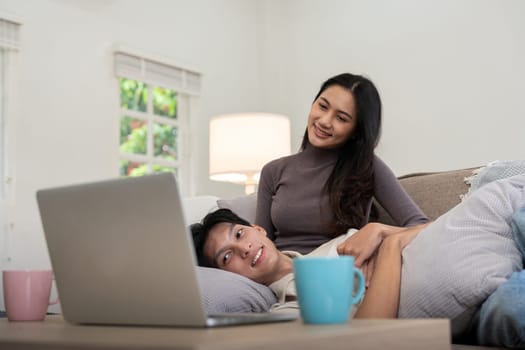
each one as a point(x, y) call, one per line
point(453, 265)
point(244, 206)
point(224, 291)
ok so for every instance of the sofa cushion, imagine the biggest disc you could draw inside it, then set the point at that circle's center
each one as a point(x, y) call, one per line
point(244, 206)
point(195, 208)
point(453, 265)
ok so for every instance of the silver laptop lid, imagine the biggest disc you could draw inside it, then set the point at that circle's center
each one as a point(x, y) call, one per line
point(121, 252)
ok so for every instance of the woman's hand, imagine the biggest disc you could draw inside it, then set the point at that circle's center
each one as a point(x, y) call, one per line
point(382, 297)
point(362, 244)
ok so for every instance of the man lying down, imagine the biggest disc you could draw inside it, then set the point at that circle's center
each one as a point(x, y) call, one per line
point(450, 268)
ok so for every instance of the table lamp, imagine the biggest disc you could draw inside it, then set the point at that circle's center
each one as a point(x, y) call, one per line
point(240, 145)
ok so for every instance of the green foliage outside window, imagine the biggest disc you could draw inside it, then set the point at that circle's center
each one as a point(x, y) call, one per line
point(134, 131)
point(165, 102)
point(165, 141)
point(128, 168)
point(133, 95)
point(133, 136)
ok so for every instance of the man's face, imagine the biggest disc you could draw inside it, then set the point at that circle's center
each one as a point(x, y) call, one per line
point(244, 250)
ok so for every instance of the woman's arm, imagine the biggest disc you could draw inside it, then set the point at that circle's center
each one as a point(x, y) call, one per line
point(393, 197)
point(264, 202)
point(382, 297)
point(362, 244)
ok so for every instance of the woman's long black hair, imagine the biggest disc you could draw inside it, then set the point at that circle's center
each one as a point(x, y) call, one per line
point(350, 186)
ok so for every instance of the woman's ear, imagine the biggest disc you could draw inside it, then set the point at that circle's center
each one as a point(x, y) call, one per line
point(260, 229)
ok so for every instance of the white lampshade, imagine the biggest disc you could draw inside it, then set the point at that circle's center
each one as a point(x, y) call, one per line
point(240, 144)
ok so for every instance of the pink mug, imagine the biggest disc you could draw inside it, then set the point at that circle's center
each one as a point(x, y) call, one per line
point(26, 294)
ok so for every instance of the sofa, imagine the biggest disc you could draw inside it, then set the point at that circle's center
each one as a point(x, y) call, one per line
point(422, 187)
point(435, 193)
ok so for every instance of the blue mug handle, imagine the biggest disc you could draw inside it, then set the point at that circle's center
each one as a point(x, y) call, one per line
point(361, 289)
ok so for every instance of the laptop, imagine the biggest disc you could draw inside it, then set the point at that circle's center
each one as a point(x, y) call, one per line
point(122, 254)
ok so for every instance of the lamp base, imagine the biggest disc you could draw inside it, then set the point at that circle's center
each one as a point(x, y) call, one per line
point(249, 188)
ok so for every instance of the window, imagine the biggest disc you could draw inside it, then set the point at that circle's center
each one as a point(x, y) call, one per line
point(157, 101)
point(9, 41)
point(148, 129)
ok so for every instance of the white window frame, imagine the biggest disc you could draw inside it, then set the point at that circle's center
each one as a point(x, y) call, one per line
point(186, 82)
point(9, 46)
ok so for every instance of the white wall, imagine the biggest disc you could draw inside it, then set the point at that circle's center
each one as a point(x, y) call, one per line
point(67, 124)
point(449, 73)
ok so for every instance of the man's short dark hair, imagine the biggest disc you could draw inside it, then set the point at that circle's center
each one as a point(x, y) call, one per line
point(201, 230)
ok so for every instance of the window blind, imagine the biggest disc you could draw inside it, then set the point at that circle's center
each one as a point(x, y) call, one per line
point(157, 73)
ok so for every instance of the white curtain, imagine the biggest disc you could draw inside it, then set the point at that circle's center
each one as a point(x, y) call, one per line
point(3, 143)
point(9, 45)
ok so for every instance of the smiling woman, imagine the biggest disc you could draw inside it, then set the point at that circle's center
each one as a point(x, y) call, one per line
point(306, 199)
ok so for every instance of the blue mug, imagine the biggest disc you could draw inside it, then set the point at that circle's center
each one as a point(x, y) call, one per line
point(325, 288)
